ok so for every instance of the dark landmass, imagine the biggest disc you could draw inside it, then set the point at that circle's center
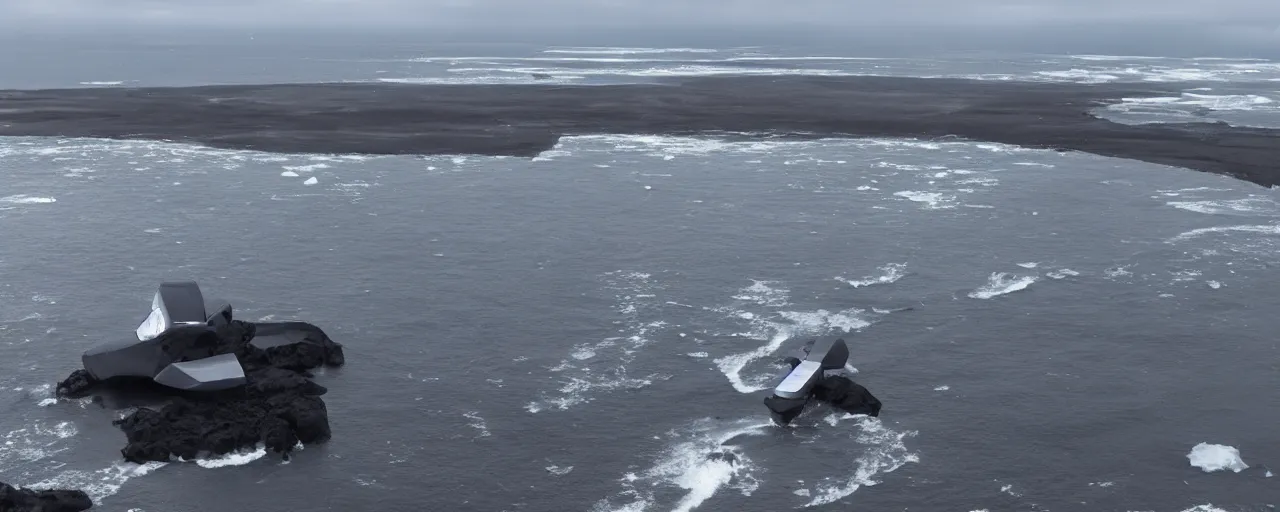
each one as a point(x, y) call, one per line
point(13, 499)
point(278, 406)
point(523, 120)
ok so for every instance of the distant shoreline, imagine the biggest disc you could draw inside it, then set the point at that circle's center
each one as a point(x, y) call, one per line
point(524, 120)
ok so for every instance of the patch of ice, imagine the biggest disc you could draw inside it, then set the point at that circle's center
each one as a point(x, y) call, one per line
point(289, 174)
point(1216, 457)
point(311, 181)
point(942, 388)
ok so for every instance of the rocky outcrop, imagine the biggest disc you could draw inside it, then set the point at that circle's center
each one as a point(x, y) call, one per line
point(279, 405)
point(13, 499)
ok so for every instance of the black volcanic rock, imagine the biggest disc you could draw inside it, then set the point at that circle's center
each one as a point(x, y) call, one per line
point(845, 394)
point(524, 120)
point(13, 499)
point(279, 405)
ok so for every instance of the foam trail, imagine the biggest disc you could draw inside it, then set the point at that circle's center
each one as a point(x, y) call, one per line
point(1250, 205)
point(701, 465)
point(886, 453)
point(891, 273)
point(26, 199)
point(101, 483)
point(236, 458)
point(640, 311)
point(1001, 283)
point(1266, 229)
point(777, 333)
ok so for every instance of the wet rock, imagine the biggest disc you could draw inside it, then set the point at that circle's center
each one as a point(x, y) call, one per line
point(279, 405)
point(13, 499)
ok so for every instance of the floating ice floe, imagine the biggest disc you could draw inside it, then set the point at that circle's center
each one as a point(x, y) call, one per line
point(1216, 457)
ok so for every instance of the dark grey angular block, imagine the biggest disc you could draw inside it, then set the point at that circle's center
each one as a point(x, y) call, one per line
point(180, 320)
point(209, 374)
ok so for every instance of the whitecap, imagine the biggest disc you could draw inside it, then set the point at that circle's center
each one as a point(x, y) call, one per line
point(890, 273)
point(1001, 283)
point(234, 458)
point(26, 199)
point(886, 452)
point(701, 464)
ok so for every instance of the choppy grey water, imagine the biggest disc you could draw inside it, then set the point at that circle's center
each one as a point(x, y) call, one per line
point(578, 332)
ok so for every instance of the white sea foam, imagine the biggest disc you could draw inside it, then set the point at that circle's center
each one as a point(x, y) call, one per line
point(701, 463)
point(932, 200)
point(1001, 283)
point(1062, 273)
point(1263, 229)
point(104, 82)
point(1030, 264)
point(1204, 508)
point(680, 70)
point(22, 448)
point(584, 373)
point(558, 470)
point(101, 483)
point(306, 167)
point(889, 274)
point(1208, 101)
point(776, 330)
point(26, 199)
point(235, 458)
point(1250, 205)
point(622, 50)
point(765, 293)
point(1216, 457)
point(886, 452)
point(477, 423)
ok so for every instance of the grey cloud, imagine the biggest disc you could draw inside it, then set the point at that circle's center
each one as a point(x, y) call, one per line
point(571, 13)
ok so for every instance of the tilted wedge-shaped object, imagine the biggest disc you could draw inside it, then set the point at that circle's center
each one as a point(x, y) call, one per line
point(180, 321)
point(792, 394)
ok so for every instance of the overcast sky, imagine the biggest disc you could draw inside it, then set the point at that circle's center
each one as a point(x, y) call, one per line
point(566, 13)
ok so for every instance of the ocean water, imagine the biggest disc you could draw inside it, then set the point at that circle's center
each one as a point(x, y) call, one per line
point(584, 330)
